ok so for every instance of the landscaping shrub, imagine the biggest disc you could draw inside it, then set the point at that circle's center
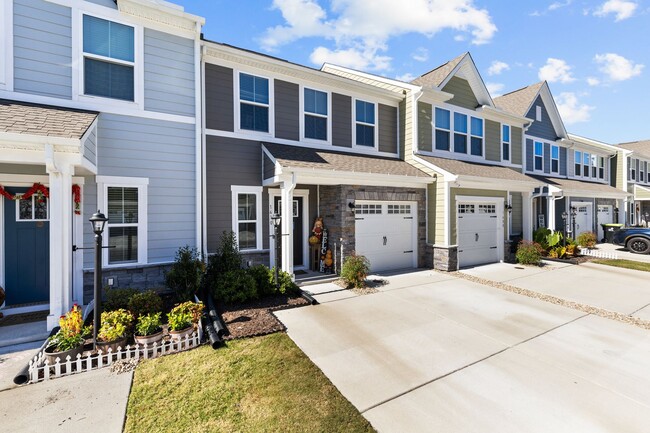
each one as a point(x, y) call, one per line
point(148, 324)
point(145, 303)
point(529, 253)
point(264, 279)
point(235, 286)
point(115, 325)
point(355, 269)
point(118, 298)
point(286, 286)
point(186, 273)
point(559, 252)
point(587, 239)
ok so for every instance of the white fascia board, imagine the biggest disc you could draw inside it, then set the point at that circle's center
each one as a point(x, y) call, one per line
point(433, 95)
point(182, 20)
point(497, 184)
point(449, 176)
point(9, 138)
point(593, 194)
point(499, 115)
point(389, 81)
point(551, 108)
point(331, 177)
point(595, 143)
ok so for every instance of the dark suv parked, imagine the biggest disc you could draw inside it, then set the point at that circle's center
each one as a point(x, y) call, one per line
point(635, 239)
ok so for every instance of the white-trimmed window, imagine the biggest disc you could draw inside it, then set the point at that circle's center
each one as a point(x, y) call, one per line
point(476, 136)
point(539, 156)
point(633, 169)
point(642, 171)
point(538, 113)
point(594, 166)
point(601, 167)
point(577, 163)
point(316, 109)
point(247, 216)
point(368, 209)
point(254, 103)
point(108, 59)
point(586, 160)
point(555, 159)
point(443, 129)
point(125, 203)
point(35, 208)
point(365, 120)
point(505, 142)
point(460, 133)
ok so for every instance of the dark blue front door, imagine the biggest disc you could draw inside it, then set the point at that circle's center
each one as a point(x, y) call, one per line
point(27, 250)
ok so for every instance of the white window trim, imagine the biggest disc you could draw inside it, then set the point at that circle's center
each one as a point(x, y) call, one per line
point(482, 137)
point(554, 146)
point(509, 159)
point(238, 102)
point(306, 113)
point(103, 182)
point(604, 167)
point(32, 219)
point(450, 130)
point(577, 161)
point(538, 113)
point(535, 156)
point(586, 168)
point(78, 56)
point(454, 132)
point(257, 191)
point(447, 153)
point(354, 124)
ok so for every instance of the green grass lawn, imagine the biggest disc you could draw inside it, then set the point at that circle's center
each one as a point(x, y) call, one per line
point(263, 384)
point(621, 263)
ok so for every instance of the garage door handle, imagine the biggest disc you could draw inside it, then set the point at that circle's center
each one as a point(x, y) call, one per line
point(493, 248)
point(409, 251)
point(385, 240)
point(477, 236)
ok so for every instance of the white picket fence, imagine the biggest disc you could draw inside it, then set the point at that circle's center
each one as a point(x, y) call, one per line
point(40, 368)
point(598, 253)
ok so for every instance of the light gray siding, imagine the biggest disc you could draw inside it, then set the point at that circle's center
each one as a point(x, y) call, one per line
point(341, 120)
point(387, 129)
point(163, 152)
point(530, 166)
point(168, 73)
point(544, 128)
point(219, 97)
point(516, 215)
point(563, 161)
point(108, 3)
point(547, 158)
point(516, 137)
point(462, 91)
point(90, 147)
point(287, 106)
point(42, 48)
point(233, 162)
point(493, 141)
point(425, 128)
point(571, 168)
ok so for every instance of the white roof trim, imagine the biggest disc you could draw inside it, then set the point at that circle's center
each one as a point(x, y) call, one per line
point(467, 70)
point(551, 109)
point(327, 66)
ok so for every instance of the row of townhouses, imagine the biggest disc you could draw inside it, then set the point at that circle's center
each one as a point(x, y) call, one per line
point(122, 106)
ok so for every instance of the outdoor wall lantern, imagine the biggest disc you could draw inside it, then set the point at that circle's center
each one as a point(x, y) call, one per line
point(351, 205)
point(276, 219)
point(508, 207)
point(98, 222)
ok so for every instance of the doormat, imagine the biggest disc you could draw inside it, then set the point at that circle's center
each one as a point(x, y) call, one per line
point(300, 272)
point(19, 319)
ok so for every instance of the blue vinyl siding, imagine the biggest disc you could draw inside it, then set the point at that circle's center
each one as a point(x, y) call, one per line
point(42, 48)
point(563, 161)
point(168, 73)
point(543, 129)
point(90, 147)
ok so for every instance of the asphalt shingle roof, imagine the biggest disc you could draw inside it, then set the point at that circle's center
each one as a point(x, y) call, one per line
point(46, 120)
point(639, 147)
point(436, 76)
point(464, 168)
point(303, 157)
point(579, 185)
point(519, 101)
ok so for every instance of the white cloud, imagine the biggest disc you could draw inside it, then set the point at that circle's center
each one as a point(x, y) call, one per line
point(495, 89)
point(556, 70)
point(497, 67)
point(623, 9)
point(352, 58)
point(552, 7)
point(618, 68)
point(571, 110)
point(363, 26)
point(460, 38)
point(407, 77)
point(593, 81)
point(421, 54)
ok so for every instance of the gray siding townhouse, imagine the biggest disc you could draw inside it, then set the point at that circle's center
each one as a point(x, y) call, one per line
point(576, 172)
point(100, 109)
point(633, 178)
point(456, 133)
point(285, 139)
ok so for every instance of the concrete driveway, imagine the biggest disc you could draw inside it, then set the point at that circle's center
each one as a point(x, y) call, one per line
point(430, 352)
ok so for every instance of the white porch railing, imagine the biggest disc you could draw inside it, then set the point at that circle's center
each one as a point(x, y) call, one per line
point(598, 253)
point(40, 369)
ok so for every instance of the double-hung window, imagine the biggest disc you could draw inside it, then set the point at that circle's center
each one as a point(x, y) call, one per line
point(633, 169)
point(586, 159)
point(555, 159)
point(594, 166)
point(246, 216)
point(315, 107)
point(460, 133)
point(601, 167)
point(254, 103)
point(123, 222)
point(108, 63)
point(443, 128)
point(505, 142)
point(365, 123)
point(476, 131)
point(539, 156)
point(642, 171)
point(577, 163)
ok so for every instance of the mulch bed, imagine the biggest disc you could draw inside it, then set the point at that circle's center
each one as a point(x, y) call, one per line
point(256, 318)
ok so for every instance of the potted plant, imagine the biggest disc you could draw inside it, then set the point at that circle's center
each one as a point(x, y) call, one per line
point(69, 340)
point(182, 318)
point(148, 329)
point(114, 329)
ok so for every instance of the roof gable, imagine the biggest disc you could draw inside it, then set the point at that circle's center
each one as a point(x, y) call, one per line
point(641, 148)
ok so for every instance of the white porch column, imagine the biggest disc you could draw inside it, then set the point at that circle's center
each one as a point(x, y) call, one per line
point(527, 215)
point(621, 204)
point(551, 213)
point(60, 179)
point(286, 193)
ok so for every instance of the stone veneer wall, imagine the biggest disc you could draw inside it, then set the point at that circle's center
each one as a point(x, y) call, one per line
point(137, 277)
point(340, 219)
point(445, 258)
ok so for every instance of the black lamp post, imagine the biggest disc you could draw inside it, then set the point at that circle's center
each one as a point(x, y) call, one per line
point(564, 225)
point(98, 221)
point(574, 212)
point(276, 219)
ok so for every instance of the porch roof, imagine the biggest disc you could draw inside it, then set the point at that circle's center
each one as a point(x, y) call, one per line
point(578, 187)
point(325, 160)
point(44, 120)
point(475, 169)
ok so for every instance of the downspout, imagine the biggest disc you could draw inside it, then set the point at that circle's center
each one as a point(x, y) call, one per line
point(201, 196)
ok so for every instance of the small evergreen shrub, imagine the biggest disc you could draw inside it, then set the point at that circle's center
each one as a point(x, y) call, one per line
point(529, 253)
point(264, 279)
point(186, 273)
point(355, 269)
point(587, 239)
point(286, 286)
point(235, 286)
point(145, 303)
point(118, 298)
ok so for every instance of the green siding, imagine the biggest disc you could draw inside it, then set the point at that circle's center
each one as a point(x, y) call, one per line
point(463, 95)
point(620, 172)
point(492, 140)
point(471, 192)
point(516, 140)
point(641, 194)
point(431, 212)
point(425, 133)
point(517, 213)
point(402, 129)
point(440, 212)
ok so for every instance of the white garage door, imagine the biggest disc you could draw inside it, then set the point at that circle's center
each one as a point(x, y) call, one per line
point(385, 233)
point(477, 228)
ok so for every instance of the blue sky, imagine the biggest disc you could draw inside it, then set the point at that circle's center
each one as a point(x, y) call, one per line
point(595, 54)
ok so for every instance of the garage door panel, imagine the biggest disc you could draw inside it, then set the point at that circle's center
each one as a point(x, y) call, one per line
point(477, 232)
